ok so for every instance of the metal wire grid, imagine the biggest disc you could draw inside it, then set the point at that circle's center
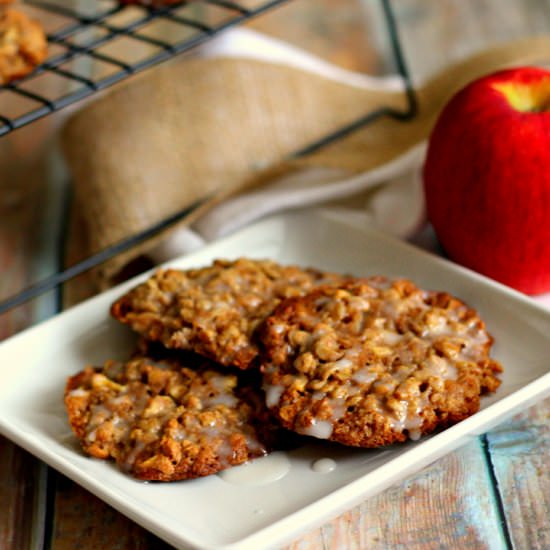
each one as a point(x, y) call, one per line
point(60, 277)
point(74, 40)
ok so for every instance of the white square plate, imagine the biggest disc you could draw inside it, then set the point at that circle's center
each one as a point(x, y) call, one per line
point(218, 512)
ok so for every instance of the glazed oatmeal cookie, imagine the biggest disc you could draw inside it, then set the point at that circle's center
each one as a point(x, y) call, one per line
point(160, 420)
point(214, 310)
point(23, 45)
point(375, 361)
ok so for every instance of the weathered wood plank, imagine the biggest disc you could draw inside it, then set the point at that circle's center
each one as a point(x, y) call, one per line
point(520, 454)
point(83, 521)
point(22, 482)
point(22, 477)
point(447, 505)
point(437, 32)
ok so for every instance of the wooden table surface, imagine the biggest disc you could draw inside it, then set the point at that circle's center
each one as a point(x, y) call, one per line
point(492, 493)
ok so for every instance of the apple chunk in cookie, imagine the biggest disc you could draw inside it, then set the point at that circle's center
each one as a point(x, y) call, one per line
point(375, 361)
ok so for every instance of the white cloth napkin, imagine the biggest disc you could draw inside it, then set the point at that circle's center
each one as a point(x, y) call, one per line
point(395, 204)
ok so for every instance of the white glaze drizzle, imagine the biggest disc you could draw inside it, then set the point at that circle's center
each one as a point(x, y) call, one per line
point(469, 339)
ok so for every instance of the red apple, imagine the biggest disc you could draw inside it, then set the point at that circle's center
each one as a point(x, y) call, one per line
point(487, 178)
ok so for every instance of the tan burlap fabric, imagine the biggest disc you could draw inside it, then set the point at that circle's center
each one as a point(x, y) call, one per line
point(212, 127)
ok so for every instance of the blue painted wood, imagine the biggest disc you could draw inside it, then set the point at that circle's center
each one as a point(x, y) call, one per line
point(450, 504)
point(520, 454)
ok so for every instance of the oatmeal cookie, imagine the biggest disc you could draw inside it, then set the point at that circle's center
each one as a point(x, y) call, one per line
point(375, 361)
point(23, 45)
point(160, 420)
point(214, 310)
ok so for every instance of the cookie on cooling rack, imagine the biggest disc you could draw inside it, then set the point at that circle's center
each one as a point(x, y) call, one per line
point(160, 420)
point(375, 361)
point(23, 45)
point(214, 310)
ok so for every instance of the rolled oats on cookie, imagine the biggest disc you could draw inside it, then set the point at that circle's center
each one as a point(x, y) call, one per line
point(375, 361)
point(214, 310)
point(161, 420)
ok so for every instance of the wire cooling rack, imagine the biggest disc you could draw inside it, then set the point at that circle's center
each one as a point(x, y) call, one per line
point(80, 40)
point(111, 41)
